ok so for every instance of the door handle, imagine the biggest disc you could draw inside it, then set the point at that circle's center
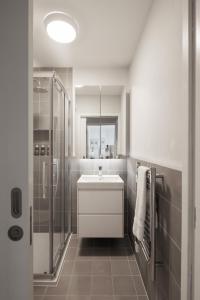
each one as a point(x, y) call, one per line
point(43, 179)
point(16, 202)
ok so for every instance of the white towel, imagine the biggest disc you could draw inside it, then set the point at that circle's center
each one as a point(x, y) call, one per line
point(140, 209)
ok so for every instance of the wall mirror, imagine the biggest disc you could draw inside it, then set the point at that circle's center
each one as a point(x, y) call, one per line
point(101, 122)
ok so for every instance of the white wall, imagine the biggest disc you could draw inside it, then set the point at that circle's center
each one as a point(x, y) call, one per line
point(155, 83)
point(98, 76)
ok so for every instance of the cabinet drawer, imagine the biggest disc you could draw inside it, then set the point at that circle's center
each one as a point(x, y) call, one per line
point(100, 201)
point(101, 226)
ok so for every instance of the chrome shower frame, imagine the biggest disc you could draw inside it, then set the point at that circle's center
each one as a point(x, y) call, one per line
point(54, 268)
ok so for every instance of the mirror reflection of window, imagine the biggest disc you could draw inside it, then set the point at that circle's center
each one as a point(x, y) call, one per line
point(101, 121)
point(108, 141)
point(101, 137)
point(93, 141)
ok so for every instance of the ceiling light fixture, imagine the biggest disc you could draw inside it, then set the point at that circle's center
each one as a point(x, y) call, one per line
point(61, 27)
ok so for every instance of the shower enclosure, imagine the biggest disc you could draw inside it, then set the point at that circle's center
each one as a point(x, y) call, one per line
point(51, 203)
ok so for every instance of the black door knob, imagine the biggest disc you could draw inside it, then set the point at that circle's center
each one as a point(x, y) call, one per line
point(15, 233)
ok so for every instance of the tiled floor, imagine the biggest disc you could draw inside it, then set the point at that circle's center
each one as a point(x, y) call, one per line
point(97, 269)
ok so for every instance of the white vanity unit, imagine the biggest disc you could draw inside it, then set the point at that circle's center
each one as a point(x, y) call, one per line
point(100, 206)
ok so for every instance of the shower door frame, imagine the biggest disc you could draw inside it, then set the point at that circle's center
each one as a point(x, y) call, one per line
point(53, 268)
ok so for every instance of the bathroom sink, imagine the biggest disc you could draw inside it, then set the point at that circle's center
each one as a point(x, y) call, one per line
point(104, 181)
point(100, 206)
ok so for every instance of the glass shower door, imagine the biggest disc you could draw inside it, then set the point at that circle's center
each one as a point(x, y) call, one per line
point(58, 171)
point(41, 166)
point(51, 203)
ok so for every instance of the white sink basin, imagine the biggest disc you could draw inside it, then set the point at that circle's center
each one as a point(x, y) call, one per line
point(104, 181)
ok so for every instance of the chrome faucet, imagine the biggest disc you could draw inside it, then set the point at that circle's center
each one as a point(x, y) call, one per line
point(100, 171)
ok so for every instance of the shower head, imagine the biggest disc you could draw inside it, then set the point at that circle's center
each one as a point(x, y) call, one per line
point(37, 88)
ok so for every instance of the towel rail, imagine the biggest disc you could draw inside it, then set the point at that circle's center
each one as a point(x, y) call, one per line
point(148, 245)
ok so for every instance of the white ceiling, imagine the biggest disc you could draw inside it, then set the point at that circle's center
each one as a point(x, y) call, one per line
point(108, 32)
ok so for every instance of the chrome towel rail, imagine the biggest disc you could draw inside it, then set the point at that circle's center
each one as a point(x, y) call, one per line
point(148, 245)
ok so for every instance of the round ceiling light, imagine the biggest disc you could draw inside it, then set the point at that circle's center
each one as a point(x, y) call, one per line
point(61, 27)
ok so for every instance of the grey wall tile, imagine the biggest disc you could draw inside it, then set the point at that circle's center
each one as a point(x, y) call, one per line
point(168, 246)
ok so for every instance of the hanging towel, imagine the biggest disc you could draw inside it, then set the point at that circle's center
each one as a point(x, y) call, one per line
point(140, 209)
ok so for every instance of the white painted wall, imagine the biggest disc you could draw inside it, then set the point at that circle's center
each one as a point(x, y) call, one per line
point(16, 132)
point(100, 76)
point(155, 83)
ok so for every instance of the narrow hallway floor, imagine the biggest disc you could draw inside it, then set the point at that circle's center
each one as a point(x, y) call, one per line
point(97, 269)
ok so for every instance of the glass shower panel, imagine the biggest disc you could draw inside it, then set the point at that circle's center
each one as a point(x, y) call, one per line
point(58, 171)
point(52, 204)
point(41, 164)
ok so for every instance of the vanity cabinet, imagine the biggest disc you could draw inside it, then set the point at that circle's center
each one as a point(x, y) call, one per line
point(100, 208)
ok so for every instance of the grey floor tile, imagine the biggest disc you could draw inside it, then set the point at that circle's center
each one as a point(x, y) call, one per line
point(124, 285)
point(124, 242)
point(54, 297)
point(130, 252)
point(101, 253)
point(97, 269)
point(61, 288)
point(131, 255)
point(96, 297)
point(82, 267)
point(134, 267)
point(81, 243)
point(77, 297)
point(100, 267)
point(118, 253)
point(126, 297)
point(71, 253)
point(102, 243)
point(67, 267)
point(120, 267)
point(39, 290)
point(84, 254)
point(101, 285)
point(38, 297)
point(74, 236)
point(143, 298)
point(139, 286)
point(74, 242)
point(86, 243)
point(80, 285)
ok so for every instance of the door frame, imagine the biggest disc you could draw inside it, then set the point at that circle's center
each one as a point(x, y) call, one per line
point(196, 151)
point(188, 97)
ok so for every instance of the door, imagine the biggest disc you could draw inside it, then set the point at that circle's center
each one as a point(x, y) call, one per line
point(16, 149)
